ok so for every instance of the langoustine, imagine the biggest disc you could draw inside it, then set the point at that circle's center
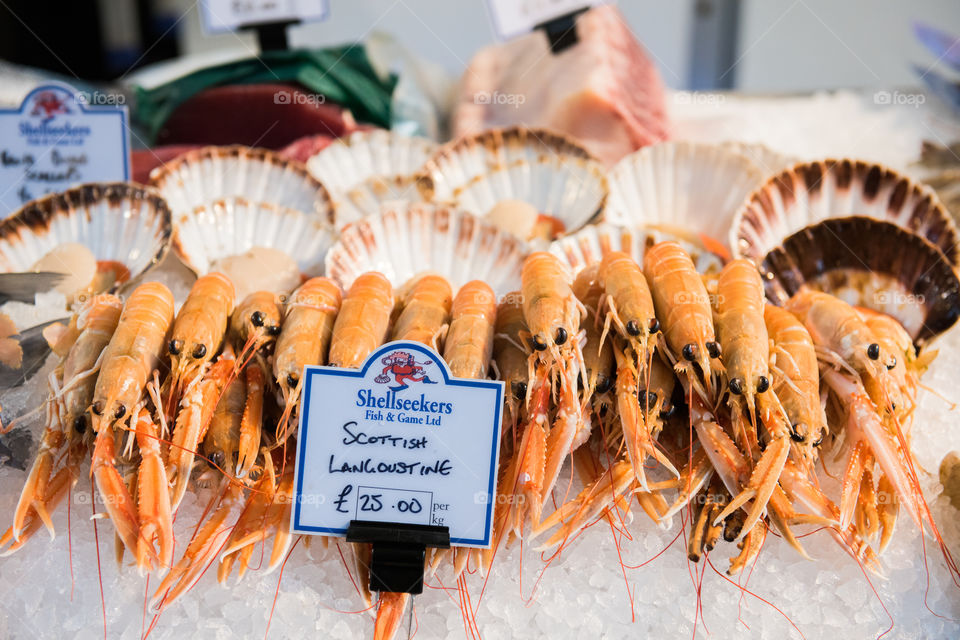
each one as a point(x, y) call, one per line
point(859, 374)
point(196, 380)
point(552, 314)
point(133, 353)
point(753, 405)
point(467, 350)
point(629, 309)
point(65, 439)
point(304, 340)
point(253, 330)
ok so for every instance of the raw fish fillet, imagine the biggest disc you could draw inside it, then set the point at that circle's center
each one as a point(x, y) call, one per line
point(603, 90)
point(302, 148)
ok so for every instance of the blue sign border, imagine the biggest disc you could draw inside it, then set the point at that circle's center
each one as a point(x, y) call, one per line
point(312, 371)
point(95, 110)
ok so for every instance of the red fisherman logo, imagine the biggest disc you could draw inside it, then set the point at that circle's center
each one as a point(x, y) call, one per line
point(402, 367)
point(48, 104)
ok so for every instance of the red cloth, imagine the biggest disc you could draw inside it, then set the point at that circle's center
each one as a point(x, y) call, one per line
point(259, 115)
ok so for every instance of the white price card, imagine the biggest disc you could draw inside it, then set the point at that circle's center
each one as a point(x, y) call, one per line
point(59, 138)
point(397, 440)
point(220, 16)
point(512, 18)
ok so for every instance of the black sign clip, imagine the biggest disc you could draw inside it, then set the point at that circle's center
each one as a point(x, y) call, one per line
point(399, 552)
point(562, 31)
point(271, 36)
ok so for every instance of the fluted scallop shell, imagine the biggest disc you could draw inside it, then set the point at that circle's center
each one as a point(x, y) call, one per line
point(809, 192)
point(455, 164)
point(870, 263)
point(369, 168)
point(406, 239)
point(571, 189)
point(117, 221)
point(589, 245)
point(202, 176)
point(232, 226)
point(697, 187)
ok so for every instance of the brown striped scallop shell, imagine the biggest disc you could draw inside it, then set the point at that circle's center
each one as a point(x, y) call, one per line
point(869, 263)
point(119, 222)
point(809, 192)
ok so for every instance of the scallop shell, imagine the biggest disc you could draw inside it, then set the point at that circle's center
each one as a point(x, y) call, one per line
point(202, 176)
point(590, 244)
point(809, 192)
point(369, 168)
point(457, 163)
point(766, 159)
point(118, 221)
point(570, 189)
point(232, 226)
point(405, 239)
point(698, 187)
point(870, 263)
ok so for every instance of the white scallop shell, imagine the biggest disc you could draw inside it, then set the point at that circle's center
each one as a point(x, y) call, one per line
point(202, 176)
point(809, 192)
point(406, 239)
point(232, 226)
point(589, 245)
point(697, 187)
point(570, 189)
point(368, 168)
point(118, 221)
point(457, 163)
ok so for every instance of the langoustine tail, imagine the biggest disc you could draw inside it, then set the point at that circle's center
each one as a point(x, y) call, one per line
point(390, 609)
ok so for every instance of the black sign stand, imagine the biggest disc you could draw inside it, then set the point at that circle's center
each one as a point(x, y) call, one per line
point(399, 552)
point(271, 36)
point(562, 31)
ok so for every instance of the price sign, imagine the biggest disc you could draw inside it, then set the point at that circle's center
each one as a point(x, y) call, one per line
point(512, 18)
point(220, 16)
point(59, 138)
point(398, 440)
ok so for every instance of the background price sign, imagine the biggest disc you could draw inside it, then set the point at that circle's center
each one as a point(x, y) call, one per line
point(59, 138)
point(512, 18)
point(220, 16)
point(398, 440)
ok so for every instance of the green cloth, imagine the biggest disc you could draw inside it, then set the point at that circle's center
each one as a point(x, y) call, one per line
point(342, 74)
